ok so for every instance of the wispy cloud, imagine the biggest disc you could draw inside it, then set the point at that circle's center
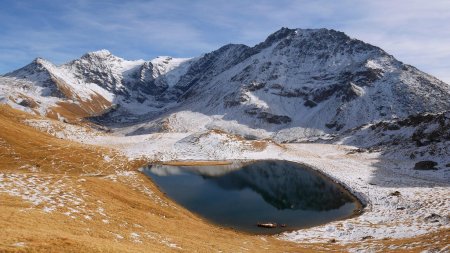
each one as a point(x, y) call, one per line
point(416, 32)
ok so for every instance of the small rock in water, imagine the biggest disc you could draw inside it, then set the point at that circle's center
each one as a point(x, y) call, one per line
point(267, 225)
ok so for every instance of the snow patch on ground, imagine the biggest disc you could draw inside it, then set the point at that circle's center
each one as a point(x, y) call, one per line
point(45, 192)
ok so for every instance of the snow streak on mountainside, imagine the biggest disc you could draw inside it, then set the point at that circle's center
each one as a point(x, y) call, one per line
point(298, 82)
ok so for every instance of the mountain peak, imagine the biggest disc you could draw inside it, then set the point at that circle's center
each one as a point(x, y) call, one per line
point(41, 61)
point(287, 33)
point(38, 65)
point(280, 34)
point(299, 32)
point(99, 54)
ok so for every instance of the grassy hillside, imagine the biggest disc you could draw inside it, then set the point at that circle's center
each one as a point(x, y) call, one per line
point(62, 196)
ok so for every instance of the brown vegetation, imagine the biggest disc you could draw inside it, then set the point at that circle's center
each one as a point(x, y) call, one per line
point(75, 108)
point(116, 208)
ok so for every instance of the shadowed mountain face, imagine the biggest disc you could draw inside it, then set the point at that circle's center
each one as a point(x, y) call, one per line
point(263, 191)
point(315, 79)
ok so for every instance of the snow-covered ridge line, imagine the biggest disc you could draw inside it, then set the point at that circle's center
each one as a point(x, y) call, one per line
point(96, 75)
point(307, 82)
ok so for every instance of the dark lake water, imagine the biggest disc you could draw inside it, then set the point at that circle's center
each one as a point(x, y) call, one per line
point(242, 195)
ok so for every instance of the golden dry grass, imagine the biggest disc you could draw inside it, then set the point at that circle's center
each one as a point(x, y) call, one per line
point(120, 202)
point(75, 112)
point(259, 145)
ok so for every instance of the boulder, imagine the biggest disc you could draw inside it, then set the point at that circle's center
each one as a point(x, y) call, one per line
point(425, 165)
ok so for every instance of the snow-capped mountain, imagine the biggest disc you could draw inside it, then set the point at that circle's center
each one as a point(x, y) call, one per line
point(96, 83)
point(318, 79)
point(298, 82)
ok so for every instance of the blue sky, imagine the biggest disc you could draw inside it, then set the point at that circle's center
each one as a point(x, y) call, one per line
point(415, 32)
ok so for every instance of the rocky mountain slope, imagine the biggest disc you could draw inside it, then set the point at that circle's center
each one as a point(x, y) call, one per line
point(319, 79)
point(422, 139)
point(297, 83)
point(96, 83)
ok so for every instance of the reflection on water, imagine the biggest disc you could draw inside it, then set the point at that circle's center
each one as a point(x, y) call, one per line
point(291, 187)
point(265, 191)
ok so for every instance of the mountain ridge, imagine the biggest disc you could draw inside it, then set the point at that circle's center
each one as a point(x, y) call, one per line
point(317, 81)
